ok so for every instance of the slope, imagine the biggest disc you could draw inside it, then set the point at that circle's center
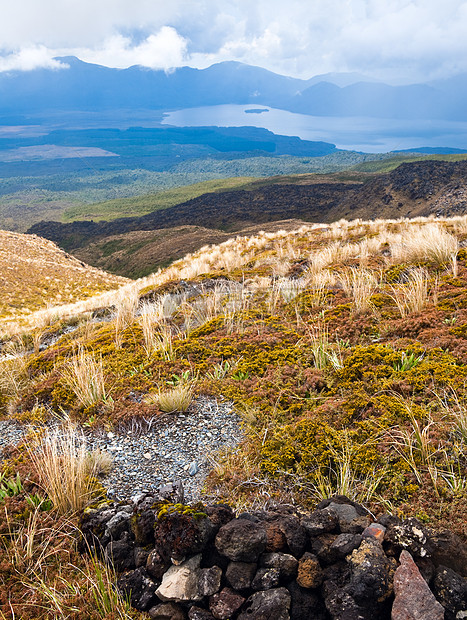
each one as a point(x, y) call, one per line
point(35, 274)
point(417, 188)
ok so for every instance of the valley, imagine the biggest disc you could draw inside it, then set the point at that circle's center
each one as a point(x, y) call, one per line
point(417, 188)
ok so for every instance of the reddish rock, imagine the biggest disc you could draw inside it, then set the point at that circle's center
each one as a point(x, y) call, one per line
point(225, 604)
point(310, 573)
point(375, 530)
point(414, 599)
point(177, 536)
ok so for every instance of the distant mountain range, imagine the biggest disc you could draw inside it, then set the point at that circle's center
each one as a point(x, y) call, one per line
point(84, 86)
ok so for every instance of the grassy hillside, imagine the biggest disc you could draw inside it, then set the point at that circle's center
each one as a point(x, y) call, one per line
point(43, 190)
point(35, 274)
point(139, 253)
point(342, 346)
point(140, 205)
point(386, 165)
point(412, 189)
point(335, 333)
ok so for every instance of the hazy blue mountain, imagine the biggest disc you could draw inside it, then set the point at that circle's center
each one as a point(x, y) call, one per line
point(341, 79)
point(85, 86)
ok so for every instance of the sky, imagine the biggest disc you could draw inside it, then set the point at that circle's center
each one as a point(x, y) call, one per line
point(398, 41)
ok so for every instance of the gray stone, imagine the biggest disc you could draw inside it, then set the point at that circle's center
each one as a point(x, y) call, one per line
point(241, 540)
point(141, 557)
point(156, 565)
point(209, 581)
point(414, 599)
point(240, 574)
point(121, 554)
point(118, 524)
point(265, 579)
point(345, 544)
point(172, 492)
point(320, 522)
point(180, 583)
point(450, 589)
point(349, 518)
point(196, 613)
point(167, 611)
point(139, 587)
point(194, 468)
point(284, 562)
point(267, 605)
point(371, 574)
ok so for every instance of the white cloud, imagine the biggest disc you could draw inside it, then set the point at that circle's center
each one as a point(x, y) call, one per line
point(164, 50)
point(411, 39)
point(30, 58)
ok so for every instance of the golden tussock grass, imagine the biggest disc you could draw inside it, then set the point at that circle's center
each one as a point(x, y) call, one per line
point(65, 467)
point(85, 376)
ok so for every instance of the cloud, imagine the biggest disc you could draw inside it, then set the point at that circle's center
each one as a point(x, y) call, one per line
point(30, 58)
point(402, 39)
point(164, 50)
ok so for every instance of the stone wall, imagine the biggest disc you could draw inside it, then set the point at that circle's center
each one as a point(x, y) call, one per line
point(202, 562)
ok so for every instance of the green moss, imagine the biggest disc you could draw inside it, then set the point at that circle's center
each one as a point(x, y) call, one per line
point(166, 509)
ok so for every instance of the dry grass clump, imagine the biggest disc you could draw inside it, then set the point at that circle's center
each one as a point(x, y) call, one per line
point(86, 378)
point(13, 369)
point(359, 284)
point(324, 352)
point(126, 305)
point(430, 242)
point(175, 399)
point(65, 468)
point(413, 296)
point(47, 577)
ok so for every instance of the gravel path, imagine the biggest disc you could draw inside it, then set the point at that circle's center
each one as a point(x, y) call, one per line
point(176, 447)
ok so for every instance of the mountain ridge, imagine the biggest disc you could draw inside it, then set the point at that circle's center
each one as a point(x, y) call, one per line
point(88, 86)
point(412, 189)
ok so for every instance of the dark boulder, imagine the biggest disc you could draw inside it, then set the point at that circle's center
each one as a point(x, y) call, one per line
point(305, 604)
point(240, 574)
point(139, 587)
point(167, 611)
point(241, 540)
point(450, 589)
point(285, 563)
point(179, 535)
point(267, 605)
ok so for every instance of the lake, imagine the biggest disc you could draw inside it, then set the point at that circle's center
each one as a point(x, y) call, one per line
point(371, 135)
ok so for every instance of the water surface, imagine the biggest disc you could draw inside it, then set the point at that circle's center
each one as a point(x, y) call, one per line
point(371, 135)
